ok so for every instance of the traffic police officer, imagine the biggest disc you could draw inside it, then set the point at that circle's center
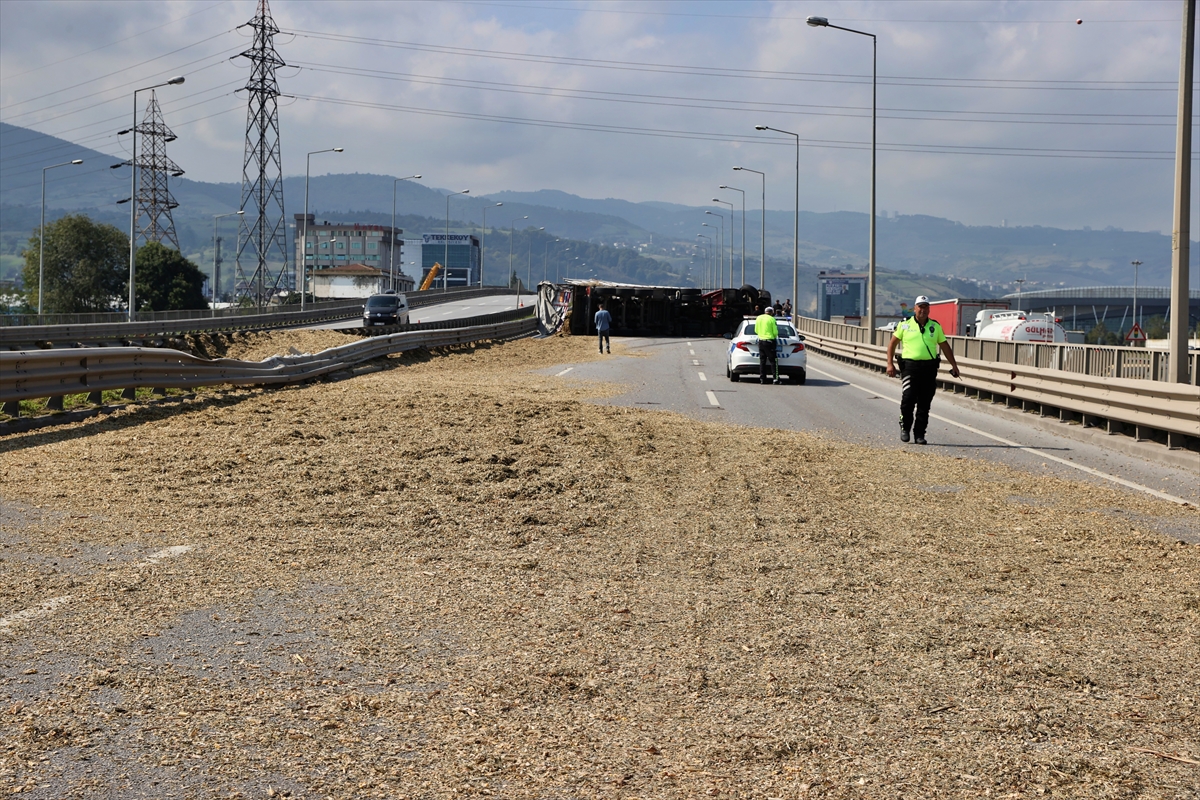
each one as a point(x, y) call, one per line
point(921, 339)
point(767, 331)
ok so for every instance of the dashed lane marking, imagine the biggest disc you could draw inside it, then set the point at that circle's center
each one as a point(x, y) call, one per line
point(564, 372)
point(691, 352)
point(701, 374)
point(695, 362)
point(48, 607)
point(712, 399)
point(1039, 453)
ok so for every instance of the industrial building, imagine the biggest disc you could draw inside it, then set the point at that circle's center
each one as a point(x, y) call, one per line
point(460, 250)
point(333, 244)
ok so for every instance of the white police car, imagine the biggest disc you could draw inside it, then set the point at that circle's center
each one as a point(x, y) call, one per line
point(743, 352)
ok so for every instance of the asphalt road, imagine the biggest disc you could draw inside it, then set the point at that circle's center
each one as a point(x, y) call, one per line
point(455, 309)
point(861, 406)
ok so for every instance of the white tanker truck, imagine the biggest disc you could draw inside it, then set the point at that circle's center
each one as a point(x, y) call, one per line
point(1018, 326)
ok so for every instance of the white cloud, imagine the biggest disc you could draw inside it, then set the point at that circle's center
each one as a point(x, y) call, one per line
point(1011, 42)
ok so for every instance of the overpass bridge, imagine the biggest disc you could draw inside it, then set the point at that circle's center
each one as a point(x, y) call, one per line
point(1082, 308)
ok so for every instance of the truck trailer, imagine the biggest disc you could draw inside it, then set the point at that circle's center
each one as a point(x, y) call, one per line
point(957, 316)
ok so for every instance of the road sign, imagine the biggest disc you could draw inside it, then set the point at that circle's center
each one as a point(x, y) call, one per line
point(1136, 334)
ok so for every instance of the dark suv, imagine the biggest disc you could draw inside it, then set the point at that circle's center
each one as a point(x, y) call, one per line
point(385, 309)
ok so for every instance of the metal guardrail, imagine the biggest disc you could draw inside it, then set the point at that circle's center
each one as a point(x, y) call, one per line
point(36, 374)
point(1041, 375)
point(180, 323)
point(1101, 361)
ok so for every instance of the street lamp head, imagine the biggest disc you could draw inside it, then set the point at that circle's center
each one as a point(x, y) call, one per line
point(127, 130)
point(339, 149)
point(761, 128)
point(465, 191)
point(77, 161)
point(240, 213)
point(499, 204)
point(178, 79)
point(817, 22)
point(737, 169)
point(416, 177)
point(722, 186)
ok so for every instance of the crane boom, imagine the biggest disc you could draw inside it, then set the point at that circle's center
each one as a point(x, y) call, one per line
point(433, 273)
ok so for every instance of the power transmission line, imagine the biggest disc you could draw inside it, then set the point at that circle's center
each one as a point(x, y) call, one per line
point(1137, 155)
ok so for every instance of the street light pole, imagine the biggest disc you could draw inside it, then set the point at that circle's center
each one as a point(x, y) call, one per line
point(483, 243)
point(796, 232)
point(511, 228)
point(762, 264)
point(719, 262)
point(822, 22)
point(304, 230)
point(133, 188)
point(546, 260)
point(42, 231)
point(217, 250)
point(731, 235)
point(529, 259)
point(720, 246)
point(707, 258)
point(391, 233)
point(735, 189)
point(446, 242)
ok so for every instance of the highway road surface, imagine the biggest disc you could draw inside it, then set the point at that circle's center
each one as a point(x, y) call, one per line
point(862, 406)
point(455, 309)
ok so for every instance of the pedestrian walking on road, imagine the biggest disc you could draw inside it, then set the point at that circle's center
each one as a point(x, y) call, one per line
point(767, 331)
point(603, 327)
point(921, 341)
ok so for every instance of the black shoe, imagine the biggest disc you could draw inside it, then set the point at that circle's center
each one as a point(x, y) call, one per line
point(920, 440)
point(903, 435)
point(776, 381)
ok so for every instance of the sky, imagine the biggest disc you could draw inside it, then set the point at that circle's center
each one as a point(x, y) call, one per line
point(989, 113)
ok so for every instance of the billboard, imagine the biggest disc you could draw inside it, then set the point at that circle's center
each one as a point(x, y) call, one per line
point(443, 239)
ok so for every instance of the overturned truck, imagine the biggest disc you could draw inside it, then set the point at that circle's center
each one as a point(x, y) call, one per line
point(646, 310)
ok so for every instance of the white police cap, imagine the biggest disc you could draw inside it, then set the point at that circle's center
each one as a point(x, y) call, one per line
point(921, 300)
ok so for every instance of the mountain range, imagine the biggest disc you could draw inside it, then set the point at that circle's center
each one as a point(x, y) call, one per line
point(989, 256)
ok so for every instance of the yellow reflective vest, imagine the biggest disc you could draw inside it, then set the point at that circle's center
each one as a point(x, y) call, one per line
point(765, 327)
point(918, 346)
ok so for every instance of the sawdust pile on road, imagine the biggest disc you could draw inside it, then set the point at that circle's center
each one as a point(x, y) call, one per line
point(259, 345)
point(452, 577)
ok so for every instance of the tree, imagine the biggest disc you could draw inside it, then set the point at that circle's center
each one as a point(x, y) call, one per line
point(1101, 335)
point(167, 281)
point(86, 266)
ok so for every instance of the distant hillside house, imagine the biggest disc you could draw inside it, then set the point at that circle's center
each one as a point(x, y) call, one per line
point(332, 244)
point(349, 281)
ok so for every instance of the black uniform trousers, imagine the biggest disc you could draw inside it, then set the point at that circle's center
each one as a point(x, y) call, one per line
point(767, 355)
point(918, 381)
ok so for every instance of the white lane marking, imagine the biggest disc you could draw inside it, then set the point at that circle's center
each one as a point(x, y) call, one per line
point(54, 603)
point(712, 399)
point(701, 374)
point(1040, 454)
point(689, 344)
point(691, 352)
point(166, 552)
point(695, 363)
point(564, 372)
point(48, 607)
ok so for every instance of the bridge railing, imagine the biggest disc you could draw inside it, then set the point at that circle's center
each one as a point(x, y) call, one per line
point(1091, 384)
